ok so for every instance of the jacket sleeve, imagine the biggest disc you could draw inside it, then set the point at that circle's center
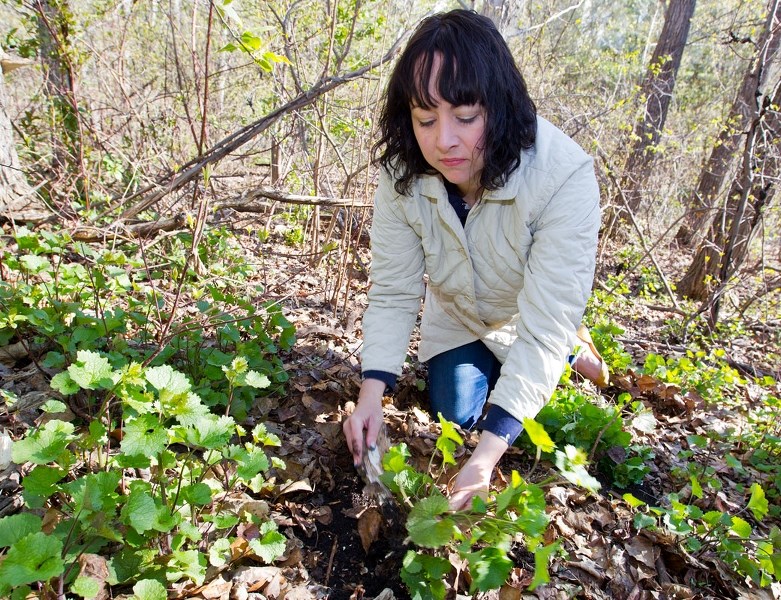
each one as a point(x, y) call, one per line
point(397, 285)
point(557, 283)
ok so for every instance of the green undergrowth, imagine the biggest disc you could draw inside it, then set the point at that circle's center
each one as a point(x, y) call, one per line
point(740, 456)
point(160, 353)
point(144, 304)
point(145, 484)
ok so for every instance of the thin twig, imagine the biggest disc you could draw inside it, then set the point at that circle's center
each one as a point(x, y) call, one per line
point(331, 560)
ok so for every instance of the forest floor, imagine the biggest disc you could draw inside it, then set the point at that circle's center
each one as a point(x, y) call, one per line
point(341, 546)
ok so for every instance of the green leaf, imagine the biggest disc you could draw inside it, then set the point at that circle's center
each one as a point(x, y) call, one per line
point(86, 587)
point(758, 504)
point(255, 380)
point(572, 464)
point(741, 528)
point(91, 371)
point(144, 435)
point(186, 408)
point(165, 378)
point(54, 406)
point(448, 440)
point(541, 559)
point(211, 432)
point(489, 569)
point(696, 487)
point(220, 552)
point(63, 383)
point(34, 263)
point(395, 459)
point(643, 521)
point(186, 563)
point(271, 544)
point(15, 527)
point(222, 520)
point(35, 557)
point(44, 445)
point(538, 435)
point(262, 436)
point(96, 492)
point(140, 510)
point(42, 481)
point(149, 589)
point(633, 501)
point(198, 494)
point(424, 575)
point(426, 525)
point(251, 463)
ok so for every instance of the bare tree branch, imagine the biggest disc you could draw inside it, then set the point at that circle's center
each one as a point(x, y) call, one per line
point(174, 180)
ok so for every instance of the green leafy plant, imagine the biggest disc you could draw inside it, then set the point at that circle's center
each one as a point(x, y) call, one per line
point(612, 351)
point(482, 536)
point(599, 430)
point(144, 483)
point(63, 297)
point(731, 537)
point(706, 373)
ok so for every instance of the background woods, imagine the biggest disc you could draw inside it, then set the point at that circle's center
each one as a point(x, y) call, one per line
point(185, 195)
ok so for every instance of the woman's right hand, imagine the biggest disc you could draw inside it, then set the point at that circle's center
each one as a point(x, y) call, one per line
point(366, 420)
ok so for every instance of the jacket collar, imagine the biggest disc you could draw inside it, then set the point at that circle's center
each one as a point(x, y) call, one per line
point(433, 186)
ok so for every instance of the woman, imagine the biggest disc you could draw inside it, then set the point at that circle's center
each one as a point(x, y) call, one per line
point(500, 210)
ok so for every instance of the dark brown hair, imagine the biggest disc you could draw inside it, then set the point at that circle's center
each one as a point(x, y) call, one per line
point(477, 68)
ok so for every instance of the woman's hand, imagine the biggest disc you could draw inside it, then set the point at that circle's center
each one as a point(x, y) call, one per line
point(475, 476)
point(366, 420)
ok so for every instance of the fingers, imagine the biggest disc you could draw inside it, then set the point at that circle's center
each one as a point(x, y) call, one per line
point(461, 499)
point(353, 433)
point(372, 432)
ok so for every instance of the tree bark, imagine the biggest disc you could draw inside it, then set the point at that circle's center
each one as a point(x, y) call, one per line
point(727, 244)
point(17, 199)
point(657, 90)
point(724, 155)
point(54, 34)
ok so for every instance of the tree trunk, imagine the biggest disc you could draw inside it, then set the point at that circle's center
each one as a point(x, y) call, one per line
point(727, 244)
point(700, 205)
point(17, 200)
point(54, 25)
point(657, 91)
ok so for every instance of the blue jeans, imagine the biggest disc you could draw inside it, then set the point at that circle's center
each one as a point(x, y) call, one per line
point(460, 381)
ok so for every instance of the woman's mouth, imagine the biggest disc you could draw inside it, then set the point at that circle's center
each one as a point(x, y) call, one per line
point(452, 162)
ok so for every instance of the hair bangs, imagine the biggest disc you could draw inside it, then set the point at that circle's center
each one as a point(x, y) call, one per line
point(456, 85)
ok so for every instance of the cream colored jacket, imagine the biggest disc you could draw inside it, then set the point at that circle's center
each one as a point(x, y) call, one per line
point(516, 276)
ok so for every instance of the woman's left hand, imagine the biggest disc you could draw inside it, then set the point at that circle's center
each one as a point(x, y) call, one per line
point(475, 476)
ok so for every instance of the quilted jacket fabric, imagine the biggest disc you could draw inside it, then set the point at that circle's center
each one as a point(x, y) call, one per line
point(517, 275)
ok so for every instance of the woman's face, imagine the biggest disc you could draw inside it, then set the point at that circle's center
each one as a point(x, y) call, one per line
point(451, 138)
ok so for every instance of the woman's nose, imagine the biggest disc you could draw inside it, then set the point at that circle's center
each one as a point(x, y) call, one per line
point(446, 136)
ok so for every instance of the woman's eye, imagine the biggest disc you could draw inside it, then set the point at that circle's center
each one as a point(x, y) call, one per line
point(467, 120)
point(425, 123)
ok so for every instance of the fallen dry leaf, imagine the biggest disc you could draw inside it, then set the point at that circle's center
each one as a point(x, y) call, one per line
point(95, 567)
point(323, 514)
point(254, 578)
point(642, 550)
point(369, 524)
point(217, 589)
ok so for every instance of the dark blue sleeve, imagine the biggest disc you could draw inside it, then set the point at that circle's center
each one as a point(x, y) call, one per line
point(499, 422)
point(389, 379)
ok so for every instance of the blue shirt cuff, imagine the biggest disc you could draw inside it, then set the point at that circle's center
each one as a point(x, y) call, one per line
point(389, 379)
point(499, 422)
